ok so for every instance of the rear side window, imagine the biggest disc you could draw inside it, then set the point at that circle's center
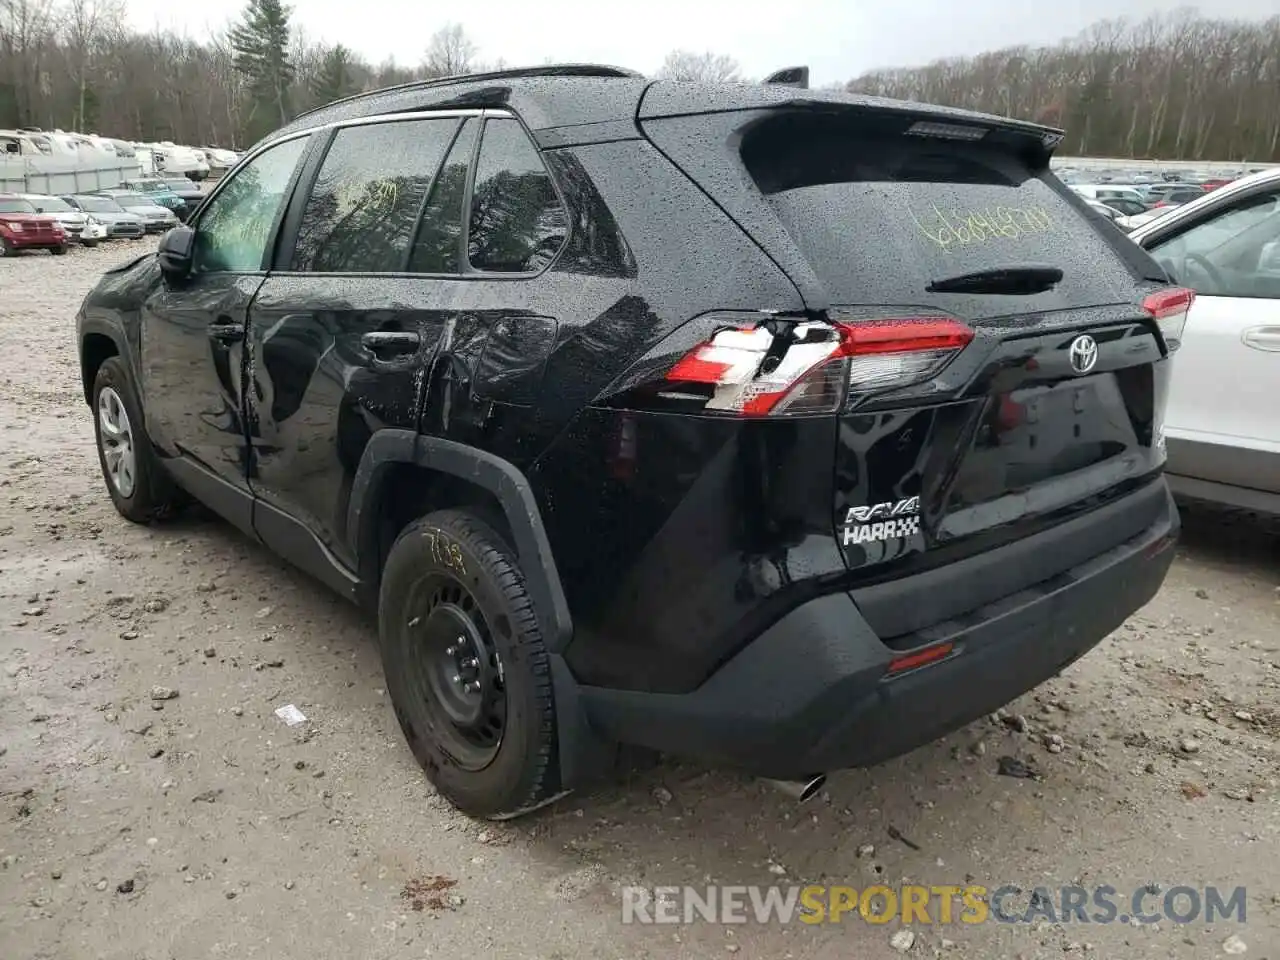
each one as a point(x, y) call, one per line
point(438, 248)
point(880, 214)
point(516, 222)
point(363, 210)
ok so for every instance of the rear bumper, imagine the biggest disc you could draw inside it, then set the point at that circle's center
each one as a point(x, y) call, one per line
point(811, 693)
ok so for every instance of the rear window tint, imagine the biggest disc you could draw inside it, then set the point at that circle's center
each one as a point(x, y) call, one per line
point(880, 217)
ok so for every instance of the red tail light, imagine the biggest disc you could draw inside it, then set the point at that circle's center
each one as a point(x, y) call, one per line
point(810, 367)
point(1169, 307)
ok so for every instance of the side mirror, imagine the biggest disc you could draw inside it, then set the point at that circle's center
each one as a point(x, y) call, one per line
point(176, 253)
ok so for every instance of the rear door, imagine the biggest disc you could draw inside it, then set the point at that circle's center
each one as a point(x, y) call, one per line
point(1223, 424)
point(342, 331)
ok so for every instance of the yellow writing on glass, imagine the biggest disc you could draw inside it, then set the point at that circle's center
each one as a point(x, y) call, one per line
point(962, 227)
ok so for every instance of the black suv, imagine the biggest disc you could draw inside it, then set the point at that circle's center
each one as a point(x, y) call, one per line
point(781, 429)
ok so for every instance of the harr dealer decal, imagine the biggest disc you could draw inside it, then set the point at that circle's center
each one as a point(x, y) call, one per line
point(890, 520)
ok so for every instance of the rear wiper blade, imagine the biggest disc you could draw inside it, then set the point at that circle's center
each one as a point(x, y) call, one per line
point(1017, 278)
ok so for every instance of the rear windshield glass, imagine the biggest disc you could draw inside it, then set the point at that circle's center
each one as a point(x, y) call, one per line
point(879, 217)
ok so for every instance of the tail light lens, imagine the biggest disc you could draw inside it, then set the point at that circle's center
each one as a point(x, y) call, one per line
point(1169, 308)
point(810, 367)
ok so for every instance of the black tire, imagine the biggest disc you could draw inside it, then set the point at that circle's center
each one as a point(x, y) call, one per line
point(89, 243)
point(153, 494)
point(59, 250)
point(6, 247)
point(444, 566)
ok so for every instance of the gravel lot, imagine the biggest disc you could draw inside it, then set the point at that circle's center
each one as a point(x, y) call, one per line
point(203, 826)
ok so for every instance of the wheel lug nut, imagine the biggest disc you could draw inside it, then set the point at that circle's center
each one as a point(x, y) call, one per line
point(451, 651)
point(457, 679)
point(471, 663)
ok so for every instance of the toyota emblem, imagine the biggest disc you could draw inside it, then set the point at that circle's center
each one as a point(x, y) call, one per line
point(1083, 353)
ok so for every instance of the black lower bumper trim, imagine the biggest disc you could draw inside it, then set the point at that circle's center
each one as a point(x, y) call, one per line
point(812, 694)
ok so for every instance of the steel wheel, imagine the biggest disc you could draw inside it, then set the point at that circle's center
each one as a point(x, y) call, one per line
point(116, 439)
point(457, 671)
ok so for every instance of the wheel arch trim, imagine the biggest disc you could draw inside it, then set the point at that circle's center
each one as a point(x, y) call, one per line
point(89, 328)
point(493, 474)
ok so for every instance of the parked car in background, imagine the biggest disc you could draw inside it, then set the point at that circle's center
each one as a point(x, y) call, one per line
point(79, 225)
point(1107, 211)
point(1129, 224)
point(22, 228)
point(1171, 194)
point(1104, 192)
point(185, 188)
point(1125, 206)
point(1223, 423)
point(120, 224)
point(157, 189)
point(155, 216)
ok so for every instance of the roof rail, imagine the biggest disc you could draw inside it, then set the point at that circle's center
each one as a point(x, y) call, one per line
point(549, 70)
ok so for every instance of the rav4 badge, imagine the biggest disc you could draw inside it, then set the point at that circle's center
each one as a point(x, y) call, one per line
point(890, 520)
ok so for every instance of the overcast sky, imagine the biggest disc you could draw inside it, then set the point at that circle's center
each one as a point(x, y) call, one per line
point(838, 39)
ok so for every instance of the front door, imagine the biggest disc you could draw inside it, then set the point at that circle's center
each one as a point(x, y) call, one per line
point(342, 331)
point(1221, 422)
point(193, 332)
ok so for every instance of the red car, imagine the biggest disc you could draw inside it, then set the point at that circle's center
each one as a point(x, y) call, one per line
point(21, 228)
point(1214, 184)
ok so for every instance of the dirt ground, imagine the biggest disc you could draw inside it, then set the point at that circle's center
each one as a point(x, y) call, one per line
point(204, 826)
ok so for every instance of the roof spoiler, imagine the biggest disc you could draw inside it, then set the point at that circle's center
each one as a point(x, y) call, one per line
point(790, 77)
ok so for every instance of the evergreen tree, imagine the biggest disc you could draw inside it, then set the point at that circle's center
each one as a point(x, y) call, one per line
point(260, 43)
point(335, 79)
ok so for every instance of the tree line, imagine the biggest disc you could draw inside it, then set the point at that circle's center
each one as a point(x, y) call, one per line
point(1175, 87)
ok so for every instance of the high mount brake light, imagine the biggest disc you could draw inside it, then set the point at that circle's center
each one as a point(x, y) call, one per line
point(1169, 308)
point(809, 368)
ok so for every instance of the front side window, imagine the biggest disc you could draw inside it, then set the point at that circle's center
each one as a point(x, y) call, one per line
point(516, 224)
point(236, 224)
point(363, 211)
point(1234, 252)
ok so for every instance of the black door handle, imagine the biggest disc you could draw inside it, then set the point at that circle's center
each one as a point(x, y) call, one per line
point(227, 331)
point(394, 342)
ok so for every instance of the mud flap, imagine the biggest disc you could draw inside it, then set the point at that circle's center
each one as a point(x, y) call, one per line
point(584, 755)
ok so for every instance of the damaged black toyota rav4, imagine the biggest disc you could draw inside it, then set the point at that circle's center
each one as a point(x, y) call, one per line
point(778, 429)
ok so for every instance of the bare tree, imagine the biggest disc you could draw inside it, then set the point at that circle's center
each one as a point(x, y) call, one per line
point(1171, 87)
point(449, 52)
point(1177, 86)
point(708, 67)
point(26, 32)
point(86, 25)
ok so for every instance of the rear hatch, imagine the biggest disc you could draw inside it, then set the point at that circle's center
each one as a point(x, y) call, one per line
point(891, 212)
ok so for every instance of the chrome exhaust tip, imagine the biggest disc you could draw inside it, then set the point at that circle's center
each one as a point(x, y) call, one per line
point(799, 790)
